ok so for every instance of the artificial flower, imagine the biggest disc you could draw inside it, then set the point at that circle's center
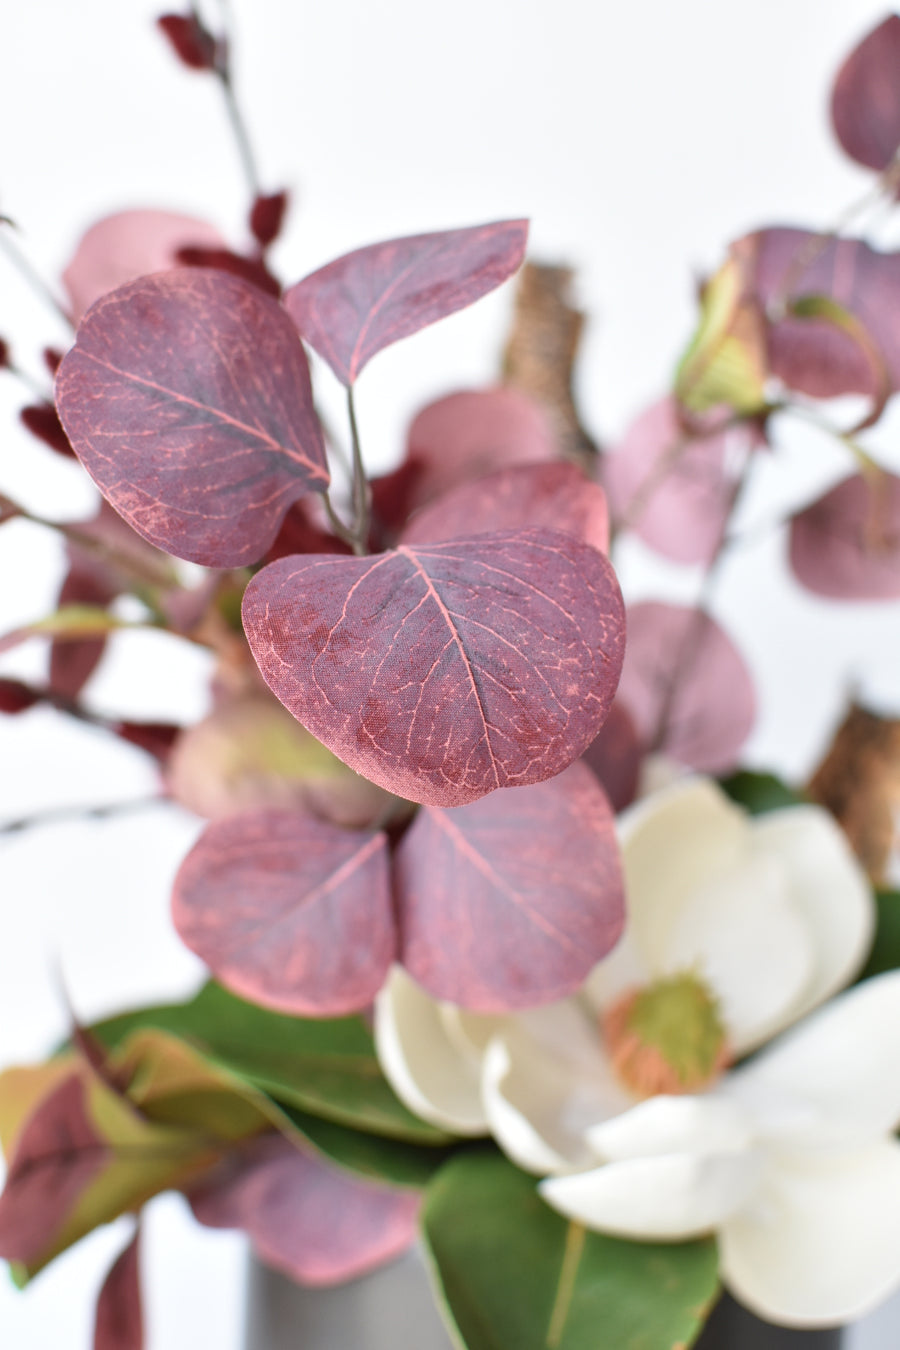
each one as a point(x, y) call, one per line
point(738, 927)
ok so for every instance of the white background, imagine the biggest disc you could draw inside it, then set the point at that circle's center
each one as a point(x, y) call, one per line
point(639, 139)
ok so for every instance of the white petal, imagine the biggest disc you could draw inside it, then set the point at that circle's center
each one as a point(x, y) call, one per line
point(545, 1081)
point(673, 843)
point(819, 1243)
point(837, 1073)
point(671, 1197)
point(618, 973)
point(672, 1125)
point(428, 1072)
point(742, 934)
point(828, 889)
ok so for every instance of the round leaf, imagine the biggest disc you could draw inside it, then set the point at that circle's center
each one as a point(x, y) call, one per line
point(353, 307)
point(686, 686)
point(444, 671)
point(187, 398)
point(846, 546)
point(288, 911)
point(865, 100)
point(510, 901)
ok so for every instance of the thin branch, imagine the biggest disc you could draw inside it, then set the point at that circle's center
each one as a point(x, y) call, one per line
point(34, 279)
point(360, 494)
point(61, 815)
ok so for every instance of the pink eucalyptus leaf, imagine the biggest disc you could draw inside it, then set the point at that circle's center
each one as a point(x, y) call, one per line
point(355, 306)
point(865, 100)
point(810, 355)
point(187, 398)
point(444, 671)
point(674, 488)
point(686, 686)
point(846, 546)
point(57, 1155)
point(615, 755)
point(119, 1319)
point(460, 437)
point(289, 912)
point(306, 1218)
point(128, 245)
point(556, 496)
point(509, 902)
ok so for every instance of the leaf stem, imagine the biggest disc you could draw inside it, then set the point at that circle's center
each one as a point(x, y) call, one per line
point(224, 74)
point(360, 493)
point(31, 275)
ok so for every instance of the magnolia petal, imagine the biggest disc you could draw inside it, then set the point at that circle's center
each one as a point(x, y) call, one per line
point(829, 889)
point(672, 1125)
point(672, 1197)
point(838, 1073)
point(820, 1243)
point(545, 1081)
point(425, 1067)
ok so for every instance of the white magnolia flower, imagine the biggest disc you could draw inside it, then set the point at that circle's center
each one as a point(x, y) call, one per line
point(738, 927)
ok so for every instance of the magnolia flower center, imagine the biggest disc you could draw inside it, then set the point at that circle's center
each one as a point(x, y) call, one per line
point(667, 1037)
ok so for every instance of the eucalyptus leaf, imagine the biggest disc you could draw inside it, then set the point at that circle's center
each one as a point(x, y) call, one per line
point(325, 1066)
point(513, 1273)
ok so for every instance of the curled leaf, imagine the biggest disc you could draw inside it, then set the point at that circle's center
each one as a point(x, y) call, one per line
point(267, 217)
point(42, 420)
point(119, 1320)
point(443, 671)
point(190, 40)
point(508, 902)
point(362, 302)
point(288, 911)
point(187, 398)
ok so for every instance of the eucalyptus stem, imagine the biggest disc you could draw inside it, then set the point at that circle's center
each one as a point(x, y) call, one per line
point(34, 279)
point(360, 493)
point(236, 120)
point(61, 815)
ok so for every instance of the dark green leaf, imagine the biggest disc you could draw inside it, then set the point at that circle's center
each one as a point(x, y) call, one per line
point(885, 953)
point(324, 1066)
point(516, 1276)
point(390, 1160)
point(759, 792)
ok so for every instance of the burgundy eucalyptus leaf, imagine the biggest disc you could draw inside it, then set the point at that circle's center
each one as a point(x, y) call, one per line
point(846, 546)
point(672, 487)
point(52, 357)
point(16, 697)
point(190, 40)
point(130, 244)
point(289, 912)
point(156, 738)
point(187, 398)
point(686, 686)
point(509, 902)
point(364, 301)
point(267, 217)
point(306, 1218)
point(556, 496)
point(4, 354)
point(811, 355)
point(73, 663)
point(444, 671)
point(460, 437)
point(224, 260)
point(57, 1156)
point(865, 100)
point(301, 532)
point(42, 420)
point(119, 1321)
point(615, 755)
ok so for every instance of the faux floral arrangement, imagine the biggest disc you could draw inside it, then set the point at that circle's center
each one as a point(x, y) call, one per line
point(506, 951)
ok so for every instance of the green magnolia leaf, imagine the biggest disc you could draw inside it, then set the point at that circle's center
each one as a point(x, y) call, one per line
point(390, 1160)
point(514, 1275)
point(759, 792)
point(326, 1067)
point(885, 953)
